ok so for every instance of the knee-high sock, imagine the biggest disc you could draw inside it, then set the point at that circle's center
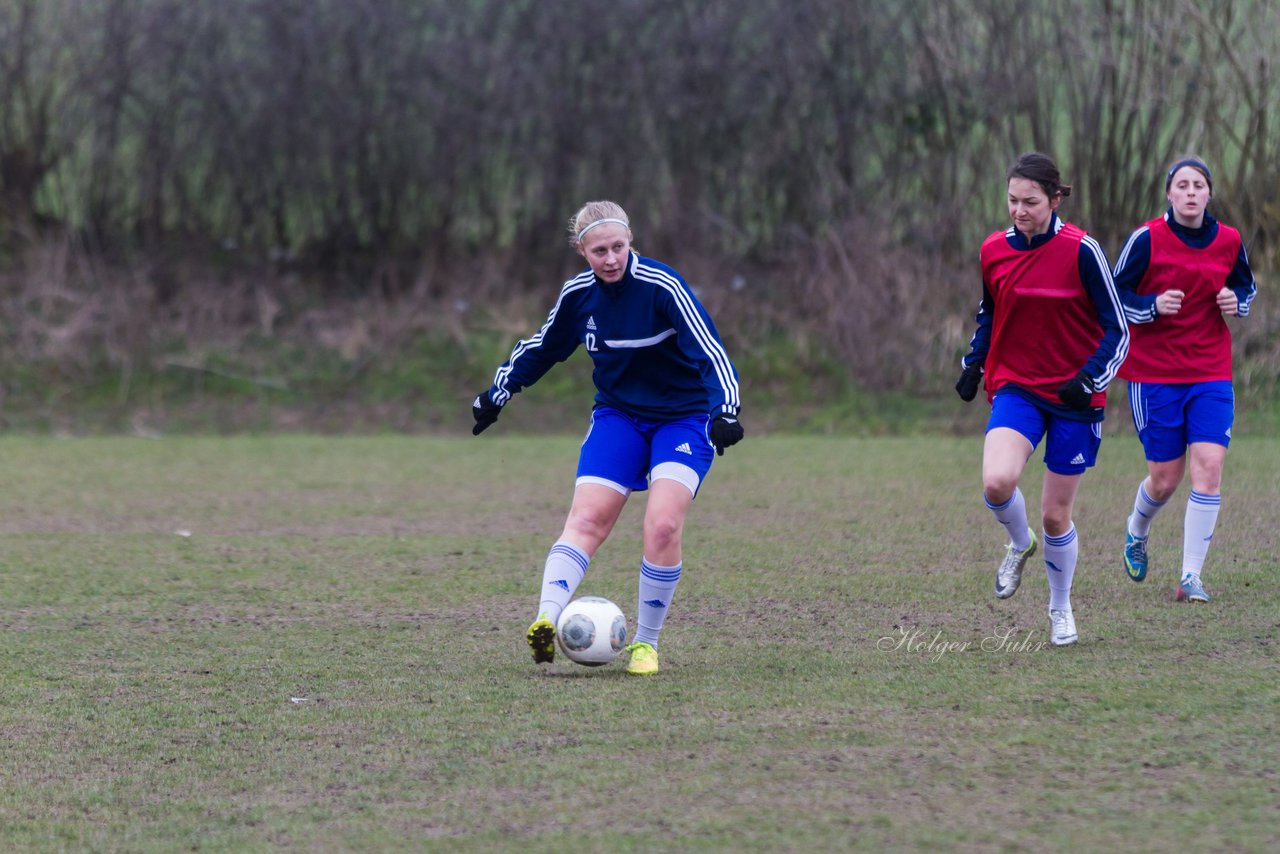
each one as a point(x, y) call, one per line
point(1013, 515)
point(1144, 512)
point(1060, 555)
point(566, 565)
point(1197, 530)
point(657, 588)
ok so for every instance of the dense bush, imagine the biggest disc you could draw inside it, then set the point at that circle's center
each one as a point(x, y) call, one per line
point(822, 168)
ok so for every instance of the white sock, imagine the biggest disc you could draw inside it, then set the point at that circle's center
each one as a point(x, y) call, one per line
point(1144, 512)
point(1060, 555)
point(1197, 530)
point(657, 587)
point(566, 565)
point(1013, 515)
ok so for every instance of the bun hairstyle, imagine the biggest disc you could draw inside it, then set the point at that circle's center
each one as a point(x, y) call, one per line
point(1195, 163)
point(1040, 168)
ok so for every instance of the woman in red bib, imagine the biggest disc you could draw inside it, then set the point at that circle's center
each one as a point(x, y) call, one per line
point(1051, 335)
point(1180, 276)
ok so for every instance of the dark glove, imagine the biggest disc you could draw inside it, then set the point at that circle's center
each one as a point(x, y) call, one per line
point(725, 430)
point(1077, 392)
point(484, 411)
point(967, 385)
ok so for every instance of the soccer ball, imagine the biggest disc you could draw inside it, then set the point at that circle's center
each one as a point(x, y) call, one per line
point(591, 631)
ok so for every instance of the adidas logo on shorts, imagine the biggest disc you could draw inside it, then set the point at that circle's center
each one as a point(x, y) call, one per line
point(1077, 460)
point(591, 322)
point(683, 448)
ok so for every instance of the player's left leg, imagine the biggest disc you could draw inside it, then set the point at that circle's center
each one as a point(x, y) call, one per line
point(1210, 414)
point(660, 569)
point(681, 456)
point(1201, 518)
point(1071, 448)
point(1061, 550)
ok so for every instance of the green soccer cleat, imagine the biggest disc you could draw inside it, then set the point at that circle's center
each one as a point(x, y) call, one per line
point(542, 639)
point(644, 659)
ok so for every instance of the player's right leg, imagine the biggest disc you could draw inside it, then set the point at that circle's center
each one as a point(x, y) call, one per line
point(564, 569)
point(1013, 430)
point(594, 512)
point(611, 464)
point(1159, 418)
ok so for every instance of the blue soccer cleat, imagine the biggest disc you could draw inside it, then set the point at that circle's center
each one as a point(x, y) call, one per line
point(1191, 589)
point(1135, 555)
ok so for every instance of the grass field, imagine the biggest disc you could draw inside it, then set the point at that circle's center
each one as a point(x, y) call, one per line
point(315, 643)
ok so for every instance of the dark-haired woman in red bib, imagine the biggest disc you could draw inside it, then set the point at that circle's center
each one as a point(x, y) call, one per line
point(1051, 336)
point(1180, 276)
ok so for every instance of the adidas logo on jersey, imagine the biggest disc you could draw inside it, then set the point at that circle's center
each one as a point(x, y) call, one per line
point(683, 448)
point(1077, 460)
point(591, 323)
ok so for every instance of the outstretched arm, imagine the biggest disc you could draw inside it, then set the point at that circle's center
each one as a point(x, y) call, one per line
point(529, 360)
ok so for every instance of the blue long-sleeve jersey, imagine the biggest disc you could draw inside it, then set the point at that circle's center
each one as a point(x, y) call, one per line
point(1135, 258)
point(656, 352)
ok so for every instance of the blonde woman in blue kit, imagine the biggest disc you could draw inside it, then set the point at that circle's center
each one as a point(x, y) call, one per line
point(666, 404)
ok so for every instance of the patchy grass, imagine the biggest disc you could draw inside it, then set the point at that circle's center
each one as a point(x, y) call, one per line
point(298, 642)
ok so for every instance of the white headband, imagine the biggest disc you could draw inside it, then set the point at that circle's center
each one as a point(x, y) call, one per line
point(602, 222)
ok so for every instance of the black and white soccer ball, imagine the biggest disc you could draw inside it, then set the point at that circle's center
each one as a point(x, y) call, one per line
point(591, 631)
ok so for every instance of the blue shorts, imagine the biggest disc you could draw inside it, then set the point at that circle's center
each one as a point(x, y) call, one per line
point(1170, 416)
point(626, 453)
point(1071, 446)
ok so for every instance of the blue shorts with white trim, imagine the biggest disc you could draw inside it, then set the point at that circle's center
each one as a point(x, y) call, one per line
point(626, 453)
point(1071, 446)
point(1170, 416)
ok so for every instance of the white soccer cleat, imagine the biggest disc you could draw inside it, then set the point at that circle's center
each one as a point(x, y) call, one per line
point(1062, 627)
point(1009, 573)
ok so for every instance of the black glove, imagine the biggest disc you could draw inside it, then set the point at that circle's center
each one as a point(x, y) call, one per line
point(484, 411)
point(1077, 392)
point(725, 430)
point(967, 385)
